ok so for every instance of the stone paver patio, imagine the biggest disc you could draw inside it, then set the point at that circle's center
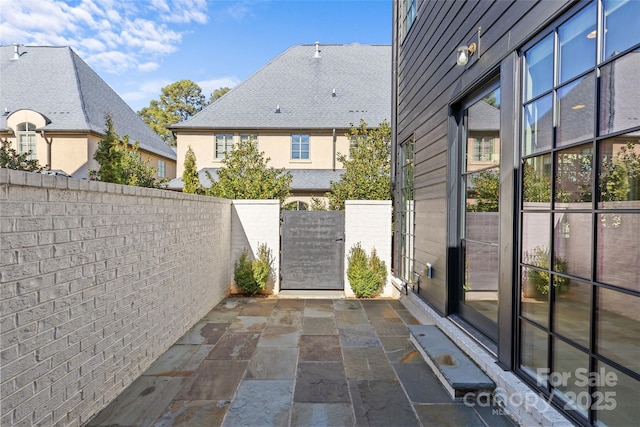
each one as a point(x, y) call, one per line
point(294, 362)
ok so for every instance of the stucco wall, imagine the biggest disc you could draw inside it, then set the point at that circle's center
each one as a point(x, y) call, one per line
point(96, 281)
point(368, 222)
point(254, 222)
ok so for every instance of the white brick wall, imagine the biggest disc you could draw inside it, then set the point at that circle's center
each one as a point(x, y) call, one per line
point(255, 222)
point(369, 222)
point(96, 281)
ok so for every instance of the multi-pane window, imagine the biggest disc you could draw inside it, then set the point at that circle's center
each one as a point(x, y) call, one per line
point(245, 137)
point(224, 144)
point(26, 137)
point(162, 168)
point(408, 13)
point(483, 149)
point(407, 210)
point(300, 147)
point(580, 213)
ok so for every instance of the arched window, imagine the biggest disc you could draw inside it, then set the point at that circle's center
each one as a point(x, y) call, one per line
point(26, 137)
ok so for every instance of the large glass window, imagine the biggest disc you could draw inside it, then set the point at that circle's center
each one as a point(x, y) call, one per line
point(300, 147)
point(580, 212)
point(26, 136)
point(407, 210)
point(408, 12)
point(480, 220)
point(224, 144)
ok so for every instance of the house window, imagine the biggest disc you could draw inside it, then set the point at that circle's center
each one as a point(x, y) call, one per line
point(224, 144)
point(408, 12)
point(482, 149)
point(580, 213)
point(300, 147)
point(244, 137)
point(162, 168)
point(407, 210)
point(26, 137)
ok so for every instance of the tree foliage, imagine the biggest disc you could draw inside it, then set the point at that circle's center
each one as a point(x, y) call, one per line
point(216, 94)
point(367, 274)
point(484, 193)
point(190, 180)
point(120, 162)
point(367, 168)
point(245, 175)
point(11, 159)
point(178, 101)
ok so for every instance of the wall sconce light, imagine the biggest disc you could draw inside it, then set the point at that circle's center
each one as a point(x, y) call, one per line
point(464, 52)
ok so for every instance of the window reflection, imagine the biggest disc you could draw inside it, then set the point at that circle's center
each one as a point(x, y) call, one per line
point(573, 177)
point(621, 25)
point(619, 83)
point(537, 182)
point(577, 44)
point(568, 362)
point(572, 243)
point(539, 68)
point(619, 327)
point(575, 111)
point(619, 178)
point(618, 253)
point(534, 298)
point(623, 392)
point(538, 132)
point(533, 350)
point(571, 309)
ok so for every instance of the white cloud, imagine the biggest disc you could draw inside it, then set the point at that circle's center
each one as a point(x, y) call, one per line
point(140, 97)
point(148, 66)
point(208, 86)
point(111, 35)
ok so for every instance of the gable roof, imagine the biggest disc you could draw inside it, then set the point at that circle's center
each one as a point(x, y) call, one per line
point(302, 86)
point(57, 83)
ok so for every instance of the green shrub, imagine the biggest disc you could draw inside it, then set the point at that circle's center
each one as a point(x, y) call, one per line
point(367, 275)
point(252, 276)
point(262, 266)
point(540, 258)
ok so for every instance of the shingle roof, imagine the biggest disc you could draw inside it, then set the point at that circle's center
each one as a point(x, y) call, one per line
point(57, 83)
point(302, 86)
point(303, 179)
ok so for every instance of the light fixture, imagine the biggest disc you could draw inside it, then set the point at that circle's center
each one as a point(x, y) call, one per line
point(464, 52)
point(578, 107)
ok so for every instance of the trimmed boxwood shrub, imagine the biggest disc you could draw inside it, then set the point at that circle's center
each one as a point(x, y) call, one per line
point(252, 276)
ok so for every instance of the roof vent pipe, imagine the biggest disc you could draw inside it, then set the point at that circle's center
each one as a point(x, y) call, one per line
point(317, 54)
point(278, 108)
point(333, 93)
point(16, 52)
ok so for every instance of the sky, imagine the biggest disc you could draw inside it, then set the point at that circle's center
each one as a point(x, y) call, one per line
point(140, 46)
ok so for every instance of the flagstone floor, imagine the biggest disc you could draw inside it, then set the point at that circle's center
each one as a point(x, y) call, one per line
point(294, 362)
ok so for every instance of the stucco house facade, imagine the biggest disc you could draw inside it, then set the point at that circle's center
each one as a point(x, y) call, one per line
point(54, 105)
point(516, 147)
point(298, 107)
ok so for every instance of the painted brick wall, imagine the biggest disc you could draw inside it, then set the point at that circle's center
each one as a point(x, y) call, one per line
point(369, 222)
point(96, 281)
point(255, 222)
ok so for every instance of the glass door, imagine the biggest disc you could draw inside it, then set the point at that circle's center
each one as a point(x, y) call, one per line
point(479, 225)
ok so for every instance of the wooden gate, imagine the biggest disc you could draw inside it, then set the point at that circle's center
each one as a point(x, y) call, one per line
point(312, 250)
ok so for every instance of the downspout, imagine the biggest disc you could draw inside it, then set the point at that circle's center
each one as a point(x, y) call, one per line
point(49, 142)
point(334, 150)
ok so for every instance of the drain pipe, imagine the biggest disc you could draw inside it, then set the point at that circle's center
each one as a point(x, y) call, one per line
point(334, 150)
point(49, 142)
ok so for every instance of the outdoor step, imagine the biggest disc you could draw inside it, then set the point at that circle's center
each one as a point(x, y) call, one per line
point(455, 370)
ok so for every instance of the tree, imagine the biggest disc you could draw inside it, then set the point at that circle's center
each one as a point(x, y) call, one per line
point(368, 168)
point(484, 192)
point(245, 175)
point(109, 155)
point(11, 159)
point(121, 162)
point(190, 180)
point(216, 94)
point(178, 101)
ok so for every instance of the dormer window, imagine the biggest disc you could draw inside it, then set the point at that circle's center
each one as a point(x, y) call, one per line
point(26, 137)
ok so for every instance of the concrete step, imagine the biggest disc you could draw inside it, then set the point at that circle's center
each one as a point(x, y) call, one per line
point(455, 370)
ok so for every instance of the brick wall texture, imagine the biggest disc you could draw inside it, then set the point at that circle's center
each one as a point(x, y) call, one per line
point(96, 281)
